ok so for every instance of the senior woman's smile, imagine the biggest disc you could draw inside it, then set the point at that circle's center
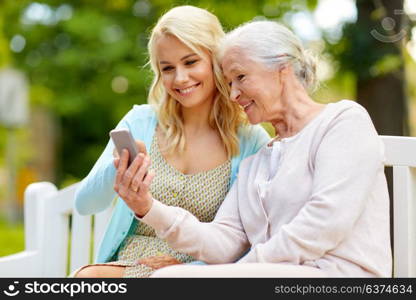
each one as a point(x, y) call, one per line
point(253, 86)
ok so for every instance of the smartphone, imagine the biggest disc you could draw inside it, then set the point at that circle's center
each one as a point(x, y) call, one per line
point(123, 139)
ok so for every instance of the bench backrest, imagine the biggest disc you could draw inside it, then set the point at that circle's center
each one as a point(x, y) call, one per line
point(67, 240)
point(64, 239)
point(401, 155)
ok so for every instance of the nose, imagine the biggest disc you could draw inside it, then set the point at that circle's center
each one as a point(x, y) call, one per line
point(181, 76)
point(235, 93)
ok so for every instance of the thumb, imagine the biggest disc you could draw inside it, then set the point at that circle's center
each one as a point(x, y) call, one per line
point(141, 147)
point(116, 162)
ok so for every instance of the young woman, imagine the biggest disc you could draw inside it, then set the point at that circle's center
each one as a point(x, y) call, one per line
point(312, 202)
point(194, 136)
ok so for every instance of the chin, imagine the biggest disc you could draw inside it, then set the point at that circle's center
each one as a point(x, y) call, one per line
point(253, 120)
point(192, 102)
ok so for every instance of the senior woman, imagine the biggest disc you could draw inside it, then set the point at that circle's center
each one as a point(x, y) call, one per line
point(312, 202)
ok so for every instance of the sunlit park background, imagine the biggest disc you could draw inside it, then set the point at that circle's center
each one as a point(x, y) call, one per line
point(69, 70)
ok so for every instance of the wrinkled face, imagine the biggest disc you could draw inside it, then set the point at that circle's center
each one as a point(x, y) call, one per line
point(253, 86)
point(186, 76)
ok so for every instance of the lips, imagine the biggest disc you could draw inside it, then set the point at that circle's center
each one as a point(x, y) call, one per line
point(187, 90)
point(246, 105)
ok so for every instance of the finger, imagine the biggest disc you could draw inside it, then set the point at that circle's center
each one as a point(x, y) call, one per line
point(115, 153)
point(142, 261)
point(141, 173)
point(122, 166)
point(116, 162)
point(132, 170)
point(141, 147)
point(144, 186)
point(146, 261)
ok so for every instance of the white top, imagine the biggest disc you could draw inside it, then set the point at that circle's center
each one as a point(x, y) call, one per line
point(325, 205)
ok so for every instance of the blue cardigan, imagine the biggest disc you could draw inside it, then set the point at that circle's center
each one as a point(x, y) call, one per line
point(96, 192)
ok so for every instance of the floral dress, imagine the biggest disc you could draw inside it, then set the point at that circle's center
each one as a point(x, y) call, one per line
point(201, 194)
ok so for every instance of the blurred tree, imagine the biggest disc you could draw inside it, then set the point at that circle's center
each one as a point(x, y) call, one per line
point(372, 49)
point(85, 61)
point(4, 47)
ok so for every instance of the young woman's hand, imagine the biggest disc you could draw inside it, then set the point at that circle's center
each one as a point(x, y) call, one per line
point(141, 148)
point(132, 182)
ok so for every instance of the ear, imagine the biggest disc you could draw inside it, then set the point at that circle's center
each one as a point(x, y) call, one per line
point(282, 74)
point(286, 71)
point(287, 75)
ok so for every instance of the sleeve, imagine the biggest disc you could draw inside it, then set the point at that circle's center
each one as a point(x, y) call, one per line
point(221, 241)
point(346, 163)
point(96, 192)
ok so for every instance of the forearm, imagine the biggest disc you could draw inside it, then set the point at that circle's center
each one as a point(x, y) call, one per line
point(95, 192)
point(220, 241)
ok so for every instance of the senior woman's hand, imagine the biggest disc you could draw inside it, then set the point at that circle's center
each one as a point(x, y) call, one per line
point(132, 182)
point(159, 261)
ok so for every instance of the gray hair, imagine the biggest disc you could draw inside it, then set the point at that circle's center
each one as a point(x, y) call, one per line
point(273, 45)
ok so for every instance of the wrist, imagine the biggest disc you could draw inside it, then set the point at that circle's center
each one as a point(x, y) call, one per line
point(143, 211)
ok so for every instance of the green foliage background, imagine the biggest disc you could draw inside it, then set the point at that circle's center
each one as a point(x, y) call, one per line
point(71, 63)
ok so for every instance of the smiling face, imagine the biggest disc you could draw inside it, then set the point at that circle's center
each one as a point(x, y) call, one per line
point(256, 88)
point(186, 75)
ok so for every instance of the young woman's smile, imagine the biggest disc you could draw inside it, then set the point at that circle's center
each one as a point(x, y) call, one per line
point(187, 76)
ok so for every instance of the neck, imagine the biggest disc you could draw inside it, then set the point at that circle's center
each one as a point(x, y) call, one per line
point(295, 114)
point(196, 119)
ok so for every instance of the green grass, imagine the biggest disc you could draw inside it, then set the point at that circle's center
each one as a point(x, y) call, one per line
point(11, 238)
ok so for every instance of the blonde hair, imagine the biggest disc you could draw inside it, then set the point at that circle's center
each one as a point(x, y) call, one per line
point(273, 44)
point(199, 30)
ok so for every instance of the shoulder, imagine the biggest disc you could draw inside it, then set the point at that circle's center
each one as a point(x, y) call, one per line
point(140, 120)
point(348, 110)
point(251, 133)
point(251, 139)
point(142, 112)
point(345, 117)
point(251, 162)
point(349, 123)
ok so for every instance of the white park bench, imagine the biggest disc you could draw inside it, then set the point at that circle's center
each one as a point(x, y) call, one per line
point(58, 240)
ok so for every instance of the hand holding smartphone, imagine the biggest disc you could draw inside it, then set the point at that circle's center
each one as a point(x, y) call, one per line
point(138, 197)
point(123, 139)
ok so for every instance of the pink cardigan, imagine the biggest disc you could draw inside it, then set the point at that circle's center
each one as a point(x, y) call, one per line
point(327, 205)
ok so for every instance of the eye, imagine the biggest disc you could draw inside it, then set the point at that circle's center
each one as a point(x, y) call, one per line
point(167, 68)
point(190, 62)
point(240, 77)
